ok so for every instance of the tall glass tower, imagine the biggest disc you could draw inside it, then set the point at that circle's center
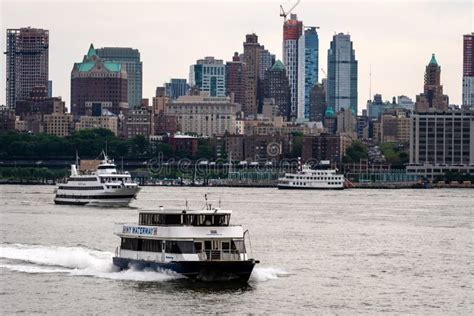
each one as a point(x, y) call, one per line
point(308, 63)
point(342, 75)
point(130, 58)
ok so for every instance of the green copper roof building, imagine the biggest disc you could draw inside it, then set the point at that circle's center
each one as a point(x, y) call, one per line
point(97, 80)
point(277, 87)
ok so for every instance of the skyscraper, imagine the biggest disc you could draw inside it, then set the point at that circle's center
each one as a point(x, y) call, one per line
point(277, 87)
point(252, 51)
point(98, 80)
point(432, 98)
point(468, 71)
point(130, 58)
point(342, 75)
point(27, 62)
point(267, 60)
point(208, 75)
point(236, 79)
point(176, 88)
point(317, 103)
point(292, 30)
point(308, 63)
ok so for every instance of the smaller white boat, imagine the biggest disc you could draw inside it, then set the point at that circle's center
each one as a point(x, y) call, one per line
point(104, 187)
point(316, 179)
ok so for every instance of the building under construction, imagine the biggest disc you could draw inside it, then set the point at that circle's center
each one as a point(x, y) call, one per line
point(27, 62)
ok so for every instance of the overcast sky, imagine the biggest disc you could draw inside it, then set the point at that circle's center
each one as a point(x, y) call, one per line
point(393, 38)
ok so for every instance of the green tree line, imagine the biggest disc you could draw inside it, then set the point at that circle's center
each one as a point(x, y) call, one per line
point(89, 144)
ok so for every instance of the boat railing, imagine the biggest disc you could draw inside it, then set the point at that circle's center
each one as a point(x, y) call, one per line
point(216, 255)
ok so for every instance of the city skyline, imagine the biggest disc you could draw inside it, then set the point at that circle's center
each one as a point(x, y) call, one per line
point(398, 42)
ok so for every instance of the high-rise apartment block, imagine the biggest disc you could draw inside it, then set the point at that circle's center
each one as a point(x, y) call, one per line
point(468, 71)
point(342, 74)
point(27, 62)
point(277, 87)
point(432, 98)
point(308, 63)
point(252, 50)
point(317, 101)
point(208, 75)
point(130, 59)
point(236, 79)
point(98, 80)
point(292, 30)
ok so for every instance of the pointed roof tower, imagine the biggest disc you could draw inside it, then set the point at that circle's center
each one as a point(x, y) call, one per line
point(91, 51)
point(433, 60)
point(278, 65)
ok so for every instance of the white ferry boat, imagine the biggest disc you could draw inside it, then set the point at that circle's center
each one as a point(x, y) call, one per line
point(308, 178)
point(105, 186)
point(199, 244)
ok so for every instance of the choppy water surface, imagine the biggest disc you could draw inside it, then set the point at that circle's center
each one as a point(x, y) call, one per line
point(355, 251)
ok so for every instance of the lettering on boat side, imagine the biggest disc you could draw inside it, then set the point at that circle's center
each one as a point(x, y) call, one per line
point(140, 230)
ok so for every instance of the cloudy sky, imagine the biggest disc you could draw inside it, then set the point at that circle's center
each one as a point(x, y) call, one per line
point(393, 38)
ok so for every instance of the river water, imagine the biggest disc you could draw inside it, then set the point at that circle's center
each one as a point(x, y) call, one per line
point(337, 252)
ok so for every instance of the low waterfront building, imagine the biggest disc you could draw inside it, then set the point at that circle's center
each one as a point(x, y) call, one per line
point(395, 128)
point(325, 147)
point(59, 124)
point(184, 143)
point(138, 122)
point(7, 119)
point(107, 120)
point(441, 142)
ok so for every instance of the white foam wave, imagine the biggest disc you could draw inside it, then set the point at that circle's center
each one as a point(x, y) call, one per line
point(260, 274)
point(74, 261)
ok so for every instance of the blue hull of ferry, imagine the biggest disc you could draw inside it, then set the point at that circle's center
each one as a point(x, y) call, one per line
point(200, 270)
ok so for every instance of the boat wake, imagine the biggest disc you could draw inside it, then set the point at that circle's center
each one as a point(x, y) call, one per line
point(262, 274)
point(82, 261)
point(73, 261)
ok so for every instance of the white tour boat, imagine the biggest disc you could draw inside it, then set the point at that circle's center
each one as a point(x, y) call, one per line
point(199, 244)
point(105, 186)
point(307, 178)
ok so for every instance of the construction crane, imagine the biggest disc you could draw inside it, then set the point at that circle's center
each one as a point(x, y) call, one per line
point(284, 13)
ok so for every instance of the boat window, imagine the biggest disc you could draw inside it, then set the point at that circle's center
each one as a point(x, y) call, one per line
point(136, 244)
point(173, 246)
point(225, 246)
point(238, 246)
point(129, 243)
point(198, 247)
point(172, 219)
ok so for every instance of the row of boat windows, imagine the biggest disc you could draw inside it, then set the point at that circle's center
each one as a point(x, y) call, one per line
point(93, 197)
point(329, 183)
point(61, 187)
point(112, 179)
point(152, 219)
point(179, 247)
point(81, 179)
point(313, 178)
point(102, 179)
